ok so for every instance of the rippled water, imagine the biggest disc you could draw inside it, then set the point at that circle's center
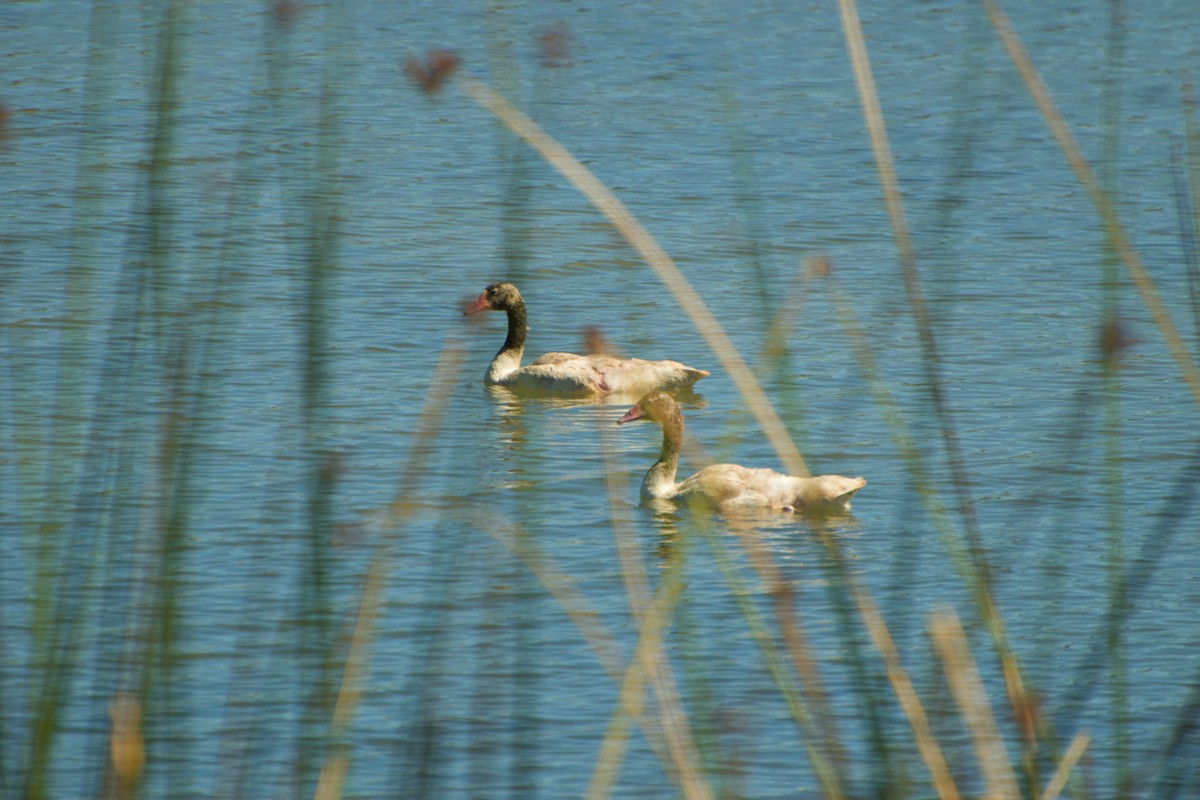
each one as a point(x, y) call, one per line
point(734, 133)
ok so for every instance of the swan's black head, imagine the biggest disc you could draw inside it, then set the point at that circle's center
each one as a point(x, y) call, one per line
point(497, 297)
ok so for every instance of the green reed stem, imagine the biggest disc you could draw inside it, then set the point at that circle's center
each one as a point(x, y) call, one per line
point(318, 186)
point(939, 516)
point(980, 581)
point(334, 769)
point(791, 633)
point(59, 624)
point(1190, 206)
point(1104, 205)
point(877, 130)
point(63, 454)
point(587, 621)
point(651, 658)
point(1113, 478)
point(845, 595)
point(644, 666)
point(158, 684)
point(810, 734)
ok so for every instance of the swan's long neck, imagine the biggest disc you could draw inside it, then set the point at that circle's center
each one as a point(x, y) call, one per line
point(660, 479)
point(508, 357)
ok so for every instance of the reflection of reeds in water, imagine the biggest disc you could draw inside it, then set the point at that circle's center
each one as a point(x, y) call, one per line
point(125, 577)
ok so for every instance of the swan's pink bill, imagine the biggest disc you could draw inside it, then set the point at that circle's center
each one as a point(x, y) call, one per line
point(630, 415)
point(481, 304)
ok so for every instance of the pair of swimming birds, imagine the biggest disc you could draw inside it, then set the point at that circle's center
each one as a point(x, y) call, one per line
point(727, 487)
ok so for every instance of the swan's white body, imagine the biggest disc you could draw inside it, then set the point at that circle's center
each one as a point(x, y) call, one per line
point(730, 487)
point(568, 373)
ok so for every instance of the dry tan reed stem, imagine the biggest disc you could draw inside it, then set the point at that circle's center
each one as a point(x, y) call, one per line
point(1018, 696)
point(631, 702)
point(651, 619)
point(931, 752)
point(591, 627)
point(1104, 204)
point(333, 771)
point(965, 683)
point(633, 695)
point(441, 385)
point(685, 753)
point(823, 767)
point(1063, 773)
point(884, 163)
point(637, 235)
point(774, 343)
point(792, 633)
point(127, 750)
point(561, 587)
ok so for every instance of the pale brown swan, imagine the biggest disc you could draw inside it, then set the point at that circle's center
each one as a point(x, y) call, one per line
point(567, 372)
point(730, 487)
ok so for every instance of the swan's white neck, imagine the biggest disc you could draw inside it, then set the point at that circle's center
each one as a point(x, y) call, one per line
point(503, 365)
point(508, 358)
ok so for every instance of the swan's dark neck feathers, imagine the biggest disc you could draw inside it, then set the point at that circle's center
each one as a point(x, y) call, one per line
point(517, 328)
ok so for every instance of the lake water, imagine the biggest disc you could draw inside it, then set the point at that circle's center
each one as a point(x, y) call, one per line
point(170, 442)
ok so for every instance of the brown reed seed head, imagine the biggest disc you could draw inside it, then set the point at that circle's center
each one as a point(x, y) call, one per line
point(593, 340)
point(430, 74)
point(818, 266)
point(1113, 341)
point(285, 12)
point(555, 44)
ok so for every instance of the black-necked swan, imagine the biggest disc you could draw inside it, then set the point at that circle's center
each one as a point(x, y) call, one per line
point(567, 373)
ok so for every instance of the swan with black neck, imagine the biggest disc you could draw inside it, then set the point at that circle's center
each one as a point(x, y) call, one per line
point(568, 373)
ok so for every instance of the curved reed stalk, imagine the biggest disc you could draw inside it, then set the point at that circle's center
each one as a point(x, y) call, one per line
point(873, 113)
point(965, 683)
point(649, 665)
point(334, 769)
point(637, 235)
point(1104, 204)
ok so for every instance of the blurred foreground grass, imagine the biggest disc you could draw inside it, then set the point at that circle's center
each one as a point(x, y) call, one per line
point(128, 426)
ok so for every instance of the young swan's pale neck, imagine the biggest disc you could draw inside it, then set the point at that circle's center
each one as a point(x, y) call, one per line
point(660, 407)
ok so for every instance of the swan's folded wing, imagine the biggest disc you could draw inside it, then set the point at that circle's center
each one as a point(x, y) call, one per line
point(553, 358)
point(570, 376)
point(717, 483)
point(637, 375)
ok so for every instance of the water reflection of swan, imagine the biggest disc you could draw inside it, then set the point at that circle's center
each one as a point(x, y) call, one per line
point(509, 400)
point(567, 373)
point(587, 413)
point(731, 487)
